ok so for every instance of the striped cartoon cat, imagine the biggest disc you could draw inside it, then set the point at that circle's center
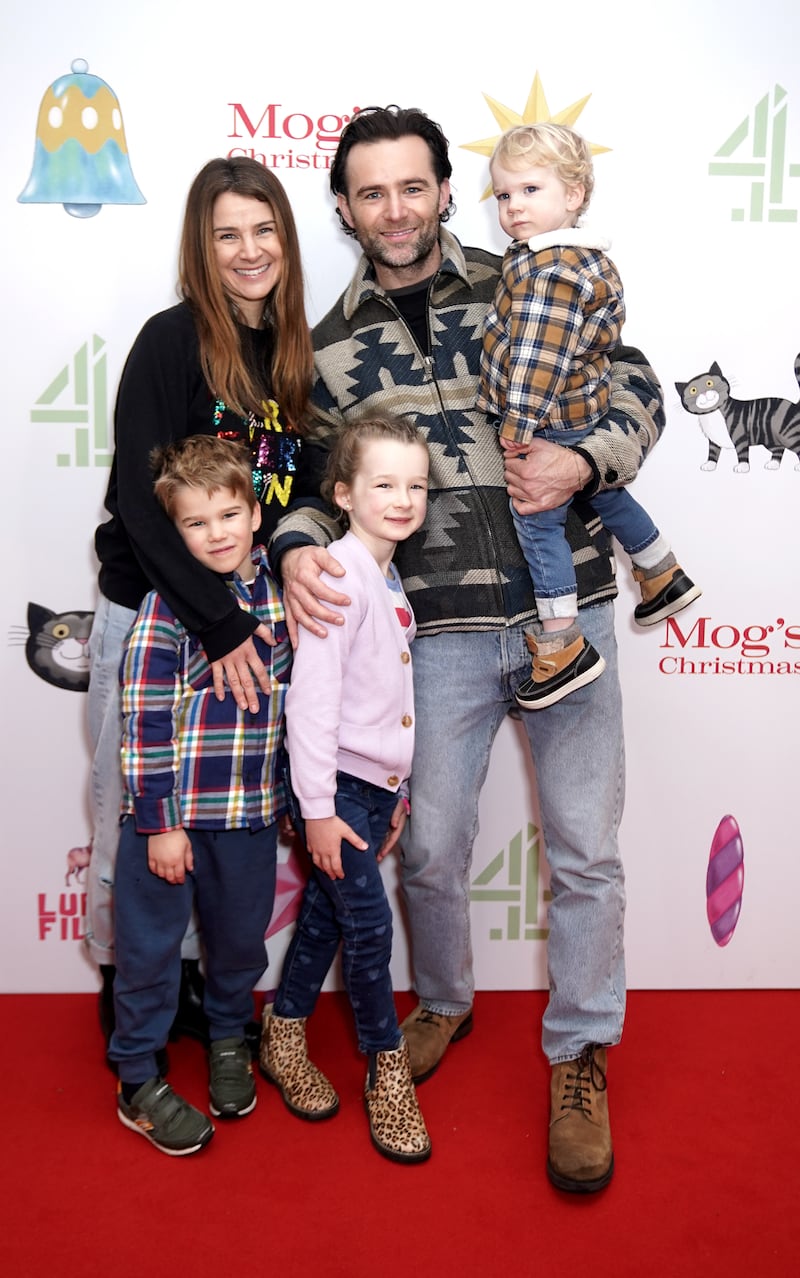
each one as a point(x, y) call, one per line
point(773, 423)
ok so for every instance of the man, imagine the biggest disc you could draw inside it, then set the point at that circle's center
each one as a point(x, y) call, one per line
point(405, 337)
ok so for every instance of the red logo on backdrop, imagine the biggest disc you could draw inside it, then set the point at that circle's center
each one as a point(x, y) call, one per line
point(281, 137)
point(61, 916)
point(706, 647)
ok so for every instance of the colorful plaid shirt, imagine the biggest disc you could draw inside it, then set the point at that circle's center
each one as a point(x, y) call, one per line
point(557, 315)
point(187, 758)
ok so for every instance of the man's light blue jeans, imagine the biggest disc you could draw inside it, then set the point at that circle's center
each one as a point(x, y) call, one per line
point(464, 686)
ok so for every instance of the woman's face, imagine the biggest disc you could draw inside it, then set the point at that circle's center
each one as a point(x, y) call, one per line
point(248, 252)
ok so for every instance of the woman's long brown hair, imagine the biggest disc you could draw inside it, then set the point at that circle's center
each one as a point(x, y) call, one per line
point(225, 370)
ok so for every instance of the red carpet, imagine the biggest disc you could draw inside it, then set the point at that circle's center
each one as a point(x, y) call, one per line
point(703, 1101)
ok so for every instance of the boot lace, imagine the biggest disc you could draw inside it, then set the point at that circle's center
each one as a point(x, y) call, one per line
point(578, 1087)
point(427, 1017)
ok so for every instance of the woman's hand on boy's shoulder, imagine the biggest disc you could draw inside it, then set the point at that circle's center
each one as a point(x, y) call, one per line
point(244, 672)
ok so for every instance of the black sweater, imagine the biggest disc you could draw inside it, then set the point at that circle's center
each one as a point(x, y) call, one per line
point(163, 397)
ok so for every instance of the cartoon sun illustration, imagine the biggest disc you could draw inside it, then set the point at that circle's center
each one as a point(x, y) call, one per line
point(535, 111)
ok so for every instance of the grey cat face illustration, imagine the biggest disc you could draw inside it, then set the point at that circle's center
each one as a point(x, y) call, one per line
point(57, 647)
point(705, 393)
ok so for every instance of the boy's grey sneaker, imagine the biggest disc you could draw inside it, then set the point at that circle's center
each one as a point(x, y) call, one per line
point(231, 1084)
point(164, 1118)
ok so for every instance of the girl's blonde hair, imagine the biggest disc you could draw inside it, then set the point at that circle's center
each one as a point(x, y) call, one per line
point(289, 379)
point(553, 146)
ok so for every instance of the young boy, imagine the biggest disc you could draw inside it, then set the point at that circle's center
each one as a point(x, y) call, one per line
point(545, 372)
point(203, 797)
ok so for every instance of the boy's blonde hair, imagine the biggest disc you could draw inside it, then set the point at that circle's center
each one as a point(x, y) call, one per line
point(553, 146)
point(202, 461)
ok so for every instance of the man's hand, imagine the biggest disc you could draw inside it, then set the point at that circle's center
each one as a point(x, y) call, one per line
point(304, 595)
point(243, 669)
point(324, 841)
point(548, 476)
point(169, 855)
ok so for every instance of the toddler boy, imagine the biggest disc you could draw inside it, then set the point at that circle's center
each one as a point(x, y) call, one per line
point(545, 372)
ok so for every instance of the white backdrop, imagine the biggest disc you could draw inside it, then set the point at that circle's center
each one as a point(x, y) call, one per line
point(699, 188)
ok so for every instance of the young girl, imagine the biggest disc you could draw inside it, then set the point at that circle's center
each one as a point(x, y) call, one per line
point(350, 736)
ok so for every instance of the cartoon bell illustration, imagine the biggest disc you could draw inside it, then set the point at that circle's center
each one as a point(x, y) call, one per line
point(81, 157)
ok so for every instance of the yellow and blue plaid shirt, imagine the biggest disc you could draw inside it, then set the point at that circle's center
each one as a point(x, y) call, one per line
point(188, 759)
point(547, 337)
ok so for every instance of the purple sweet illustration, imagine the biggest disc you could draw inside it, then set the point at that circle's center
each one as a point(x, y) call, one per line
point(81, 156)
point(725, 880)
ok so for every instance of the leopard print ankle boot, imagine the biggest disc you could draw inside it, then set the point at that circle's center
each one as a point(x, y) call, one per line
point(283, 1059)
point(396, 1125)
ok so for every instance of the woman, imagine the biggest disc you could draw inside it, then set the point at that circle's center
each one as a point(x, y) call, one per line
point(233, 359)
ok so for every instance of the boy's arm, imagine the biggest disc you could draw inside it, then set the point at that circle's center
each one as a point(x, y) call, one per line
point(545, 323)
point(150, 693)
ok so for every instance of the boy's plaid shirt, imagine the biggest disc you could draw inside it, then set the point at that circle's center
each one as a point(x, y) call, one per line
point(187, 758)
point(547, 338)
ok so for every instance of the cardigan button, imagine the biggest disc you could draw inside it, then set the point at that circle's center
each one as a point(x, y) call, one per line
point(405, 657)
point(392, 780)
point(406, 720)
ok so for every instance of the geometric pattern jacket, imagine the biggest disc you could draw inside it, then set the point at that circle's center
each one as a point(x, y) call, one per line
point(463, 570)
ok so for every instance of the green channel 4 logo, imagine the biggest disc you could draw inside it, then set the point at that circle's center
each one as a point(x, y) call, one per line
point(514, 878)
point(759, 145)
point(78, 396)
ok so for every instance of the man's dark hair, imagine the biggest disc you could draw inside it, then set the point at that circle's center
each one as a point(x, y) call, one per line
point(388, 124)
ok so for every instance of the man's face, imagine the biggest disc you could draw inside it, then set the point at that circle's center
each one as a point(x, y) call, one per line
point(393, 203)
